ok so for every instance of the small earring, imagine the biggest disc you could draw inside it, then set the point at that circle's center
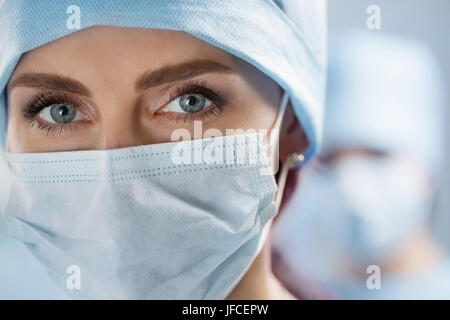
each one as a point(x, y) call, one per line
point(294, 160)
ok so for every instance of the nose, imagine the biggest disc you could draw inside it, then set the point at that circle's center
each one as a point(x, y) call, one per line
point(118, 134)
point(114, 138)
point(121, 126)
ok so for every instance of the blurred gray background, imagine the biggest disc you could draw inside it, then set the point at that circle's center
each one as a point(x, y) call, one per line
point(422, 20)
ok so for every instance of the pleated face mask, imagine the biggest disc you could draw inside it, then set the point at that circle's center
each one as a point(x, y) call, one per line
point(178, 220)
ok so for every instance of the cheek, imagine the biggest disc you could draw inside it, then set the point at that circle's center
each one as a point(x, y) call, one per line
point(19, 138)
point(257, 115)
point(244, 116)
point(14, 133)
point(16, 140)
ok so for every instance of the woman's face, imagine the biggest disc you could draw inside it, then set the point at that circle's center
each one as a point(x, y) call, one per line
point(112, 87)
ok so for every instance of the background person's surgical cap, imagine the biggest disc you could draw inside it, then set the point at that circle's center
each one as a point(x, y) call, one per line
point(286, 39)
point(385, 93)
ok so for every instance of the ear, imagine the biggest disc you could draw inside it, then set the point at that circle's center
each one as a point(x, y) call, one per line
point(292, 136)
point(292, 139)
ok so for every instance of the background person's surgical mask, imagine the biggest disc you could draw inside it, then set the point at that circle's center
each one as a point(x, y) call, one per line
point(374, 204)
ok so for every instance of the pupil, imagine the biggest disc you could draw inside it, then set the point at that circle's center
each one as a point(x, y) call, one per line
point(192, 100)
point(63, 110)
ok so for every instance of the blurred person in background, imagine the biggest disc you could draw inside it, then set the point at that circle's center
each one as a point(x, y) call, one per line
point(359, 227)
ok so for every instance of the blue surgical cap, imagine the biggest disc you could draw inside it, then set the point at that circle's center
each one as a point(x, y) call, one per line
point(385, 93)
point(285, 39)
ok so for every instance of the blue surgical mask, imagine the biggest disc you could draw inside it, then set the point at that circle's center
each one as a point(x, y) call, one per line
point(141, 222)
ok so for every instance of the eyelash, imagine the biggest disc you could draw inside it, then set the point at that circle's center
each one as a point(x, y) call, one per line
point(46, 99)
point(197, 87)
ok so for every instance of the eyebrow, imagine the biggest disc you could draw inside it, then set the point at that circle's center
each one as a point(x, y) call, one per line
point(183, 71)
point(178, 72)
point(48, 81)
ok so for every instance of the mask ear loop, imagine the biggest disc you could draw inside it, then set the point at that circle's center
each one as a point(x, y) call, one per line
point(293, 160)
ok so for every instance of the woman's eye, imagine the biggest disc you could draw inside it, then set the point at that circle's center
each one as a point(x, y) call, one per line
point(188, 103)
point(61, 113)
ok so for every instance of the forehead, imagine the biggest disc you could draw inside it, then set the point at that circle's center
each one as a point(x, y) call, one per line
point(118, 49)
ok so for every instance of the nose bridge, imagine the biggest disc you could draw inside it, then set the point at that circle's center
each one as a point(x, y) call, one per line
point(117, 138)
point(119, 125)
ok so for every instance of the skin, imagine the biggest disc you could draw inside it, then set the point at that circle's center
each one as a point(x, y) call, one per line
point(108, 61)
